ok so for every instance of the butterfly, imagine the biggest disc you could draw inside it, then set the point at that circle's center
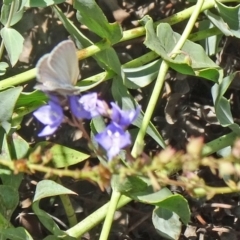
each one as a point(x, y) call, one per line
point(58, 72)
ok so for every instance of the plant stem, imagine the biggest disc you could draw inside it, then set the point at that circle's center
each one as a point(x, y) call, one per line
point(161, 77)
point(189, 26)
point(68, 207)
point(150, 108)
point(173, 19)
point(209, 192)
point(18, 79)
point(103, 44)
point(139, 140)
point(110, 214)
point(94, 218)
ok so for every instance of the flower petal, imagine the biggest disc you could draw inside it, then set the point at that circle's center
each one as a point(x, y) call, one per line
point(77, 108)
point(48, 130)
point(113, 139)
point(87, 106)
point(50, 115)
point(123, 118)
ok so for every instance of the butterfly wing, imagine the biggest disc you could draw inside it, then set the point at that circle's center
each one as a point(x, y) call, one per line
point(58, 71)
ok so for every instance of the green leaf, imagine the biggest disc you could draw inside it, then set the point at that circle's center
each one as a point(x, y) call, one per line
point(231, 17)
point(72, 29)
point(130, 185)
point(167, 223)
point(98, 124)
point(63, 156)
point(191, 60)
point(5, 151)
point(222, 105)
point(7, 177)
point(12, 147)
point(210, 44)
point(4, 223)
point(162, 198)
point(48, 188)
point(18, 146)
point(219, 23)
point(26, 103)
point(177, 204)
point(3, 67)
point(15, 233)
point(8, 99)
point(42, 3)
point(8, 200)
point(141, 76)
point(97, 22)
point(17, 13)
point(126, 101)
point(32, 98)
point(7, 1)
point(107, 58)
point(13, 180)
point(13, 41)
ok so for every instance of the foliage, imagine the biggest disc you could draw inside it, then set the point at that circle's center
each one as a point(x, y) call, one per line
point(132, 174)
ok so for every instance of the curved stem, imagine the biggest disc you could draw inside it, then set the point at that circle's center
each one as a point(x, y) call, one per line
point(161, 77)
point(173, 19)
point(95, 218)
point(68, 207)
point(110, 214)
point(139, 140)
point(150, 108)
point(103, 44)
point(8, 24)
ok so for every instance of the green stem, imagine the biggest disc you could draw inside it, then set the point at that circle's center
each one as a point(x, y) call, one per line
point(173, 19)
point(8, 24)
point(95, 218)
point(189, 26)
point(150, 108)
point(18, 79)
point(89, 51)
point(148, 57)
point(139, 141)
point(110, 215)
point(103, 76)
point(204, 34)
point(68, 208)
point(209, 192)
point(161, 77)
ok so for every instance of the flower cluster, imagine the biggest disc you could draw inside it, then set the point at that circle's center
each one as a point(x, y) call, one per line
point(112, 139)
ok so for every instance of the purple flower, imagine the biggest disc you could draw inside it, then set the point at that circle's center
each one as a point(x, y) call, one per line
point(123, 118)
point(113, 139)
point(50, 115)
point(87, 106)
